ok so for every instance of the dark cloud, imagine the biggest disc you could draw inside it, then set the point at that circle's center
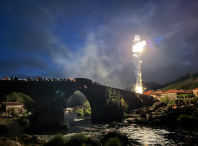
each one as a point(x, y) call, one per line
point(12, 65)
point(93, 39)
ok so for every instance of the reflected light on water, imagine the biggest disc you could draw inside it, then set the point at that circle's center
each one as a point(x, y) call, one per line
point(147, 136)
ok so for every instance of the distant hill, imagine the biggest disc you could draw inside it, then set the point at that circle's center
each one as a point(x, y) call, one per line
point(185, 85)
point(151, 86)
point(185, 82)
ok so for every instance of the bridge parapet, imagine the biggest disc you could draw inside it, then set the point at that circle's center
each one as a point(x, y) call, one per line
point(51, 94)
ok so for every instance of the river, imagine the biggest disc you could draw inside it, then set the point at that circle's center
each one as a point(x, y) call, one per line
point(138, 134)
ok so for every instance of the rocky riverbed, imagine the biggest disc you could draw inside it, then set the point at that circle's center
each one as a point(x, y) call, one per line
point(144, 134)
point(137, 135)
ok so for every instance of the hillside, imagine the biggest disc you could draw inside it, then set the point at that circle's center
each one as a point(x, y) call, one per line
point(151, 85)
point(185, 85)
point(185, 82)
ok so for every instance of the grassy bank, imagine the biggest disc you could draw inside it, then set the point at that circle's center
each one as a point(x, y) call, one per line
point(80, 139)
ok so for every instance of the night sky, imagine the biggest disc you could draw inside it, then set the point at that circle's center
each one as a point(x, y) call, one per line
point(93, 38)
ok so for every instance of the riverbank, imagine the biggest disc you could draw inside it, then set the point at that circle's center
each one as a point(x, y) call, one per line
point(145, 132)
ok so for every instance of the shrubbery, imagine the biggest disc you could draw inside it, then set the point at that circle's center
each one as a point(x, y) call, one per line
point(113, 142)
point(78, 139)
point(86, 111)
point(171, 102)
point(24, 122)
point(57, 140)
point(165, 99)
point(64, 126)
point(80, 112)
point(157, 121)
point(25, 114)
point(185, 95)
point(140, 121)
point(185, 119)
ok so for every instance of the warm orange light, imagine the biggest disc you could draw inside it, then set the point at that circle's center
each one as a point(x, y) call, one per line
point(175, 106)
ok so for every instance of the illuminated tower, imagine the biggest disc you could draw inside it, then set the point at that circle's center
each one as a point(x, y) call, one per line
point(137, 48)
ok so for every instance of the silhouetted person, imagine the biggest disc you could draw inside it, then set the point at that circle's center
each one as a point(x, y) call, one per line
point(12, 78)
point(16, 78)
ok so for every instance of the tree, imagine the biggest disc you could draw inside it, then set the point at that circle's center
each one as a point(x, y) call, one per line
point(23, 98)
point(165, 99)
point(87, 108)
point(114, 98)
point(86, 105)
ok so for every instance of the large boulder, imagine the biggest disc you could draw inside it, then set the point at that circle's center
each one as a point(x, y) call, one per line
point(114, 133)
point(159, 104)
point(143, 116)
point(9, 143)
point(93, 141)
point(31, 139)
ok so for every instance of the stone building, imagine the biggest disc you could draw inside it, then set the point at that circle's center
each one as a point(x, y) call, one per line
point(195, 91)
point(190, 91)
point(14, 108)
point(158, 91)
point(172, 94)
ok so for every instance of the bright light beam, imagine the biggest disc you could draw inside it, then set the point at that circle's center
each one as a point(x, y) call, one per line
point(137, 49)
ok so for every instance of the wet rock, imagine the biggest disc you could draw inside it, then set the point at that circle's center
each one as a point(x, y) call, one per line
point(20, 115)
point(31, 139)
point(9, 143)
point(35, 137)
point(114, 133)
point(26, 136)
point(159, 104)
point(3, 138)
point(93, 141)
point(15, 138)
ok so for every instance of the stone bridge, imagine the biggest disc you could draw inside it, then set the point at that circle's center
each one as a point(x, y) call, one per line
point(51, 96)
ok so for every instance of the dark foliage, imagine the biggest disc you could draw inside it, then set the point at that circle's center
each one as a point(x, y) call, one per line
point(111, 134)
point(24, 122)
point(114, 142)
point(3, 130)
point(23, 98)
point(57, 140)
point(77, 140)
point(64, 126)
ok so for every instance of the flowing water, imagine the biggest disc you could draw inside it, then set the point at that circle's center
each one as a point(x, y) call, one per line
point(138, 134)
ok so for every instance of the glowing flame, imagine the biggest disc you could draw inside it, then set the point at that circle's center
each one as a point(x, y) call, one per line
point(138, 89)
point(136, 39)
point(137, 48)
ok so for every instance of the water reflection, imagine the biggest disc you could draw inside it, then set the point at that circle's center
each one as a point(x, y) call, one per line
point(73, 119)
point(14, 129)
point(142, 135)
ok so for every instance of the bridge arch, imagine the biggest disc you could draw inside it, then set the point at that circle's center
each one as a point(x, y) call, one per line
point(50, 94)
